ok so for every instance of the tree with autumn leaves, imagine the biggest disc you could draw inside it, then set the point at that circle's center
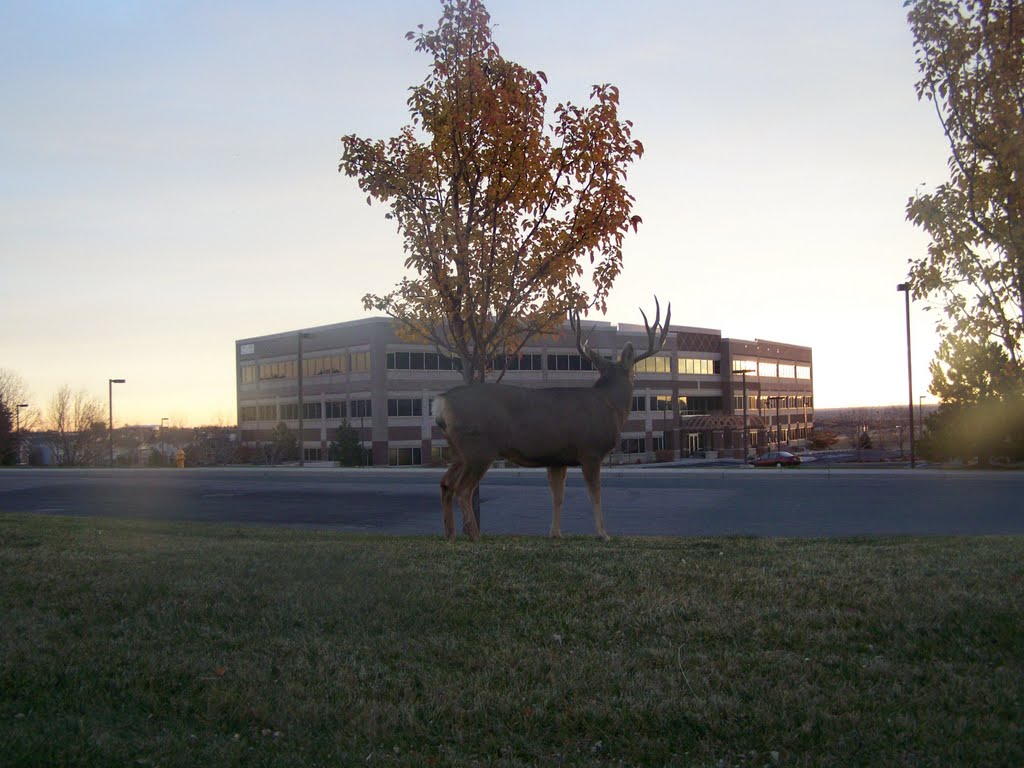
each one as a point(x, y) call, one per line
point(508, 222)
point(970, 54)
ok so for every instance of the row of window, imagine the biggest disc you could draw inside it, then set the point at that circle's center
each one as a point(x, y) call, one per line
point(767, 402)
point(422, 361)
point(433, 361)
point(311, 366)
point(689, 405)
point(772, 370)
point(333, 409)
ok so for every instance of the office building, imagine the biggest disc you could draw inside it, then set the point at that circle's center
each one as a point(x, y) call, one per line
point(691, 399)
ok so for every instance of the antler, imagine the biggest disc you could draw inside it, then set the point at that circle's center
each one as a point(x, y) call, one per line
point(598, 360)
point(652, 347)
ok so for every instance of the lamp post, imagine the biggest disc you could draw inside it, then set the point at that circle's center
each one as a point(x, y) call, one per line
point(17, 418)
point(302, 451)
point(746, 430)
point(905, 287)
point(110, 401)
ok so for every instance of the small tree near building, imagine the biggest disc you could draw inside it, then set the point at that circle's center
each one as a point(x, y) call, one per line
point(283, 445)
point(346, 449)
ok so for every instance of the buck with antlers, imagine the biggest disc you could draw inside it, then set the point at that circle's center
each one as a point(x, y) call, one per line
point(555, 427)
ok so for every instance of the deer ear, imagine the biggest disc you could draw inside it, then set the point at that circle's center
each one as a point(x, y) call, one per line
point(626, 358)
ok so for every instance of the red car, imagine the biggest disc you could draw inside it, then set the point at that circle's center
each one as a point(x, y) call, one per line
point(777, 459)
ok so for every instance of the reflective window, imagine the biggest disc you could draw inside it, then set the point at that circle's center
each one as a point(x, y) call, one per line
point(699, 366)
point(787, 371)
point(284, 370)
point(311, 410)
point(690, 405)
point(335, 409)
point(323, 366)
point(803, 371)
point(767, 369)
point(249, 374)
point(639, 403)
point(661, 402)
point(656, 364)
point(359, 361)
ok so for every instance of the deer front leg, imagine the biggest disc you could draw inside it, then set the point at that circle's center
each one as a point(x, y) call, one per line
point(556, 481)
point(448, 483)
point(592, 477)
point(468, 481)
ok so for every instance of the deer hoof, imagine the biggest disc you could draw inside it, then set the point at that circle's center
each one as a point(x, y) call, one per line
point(555, 533)
point(603, 536)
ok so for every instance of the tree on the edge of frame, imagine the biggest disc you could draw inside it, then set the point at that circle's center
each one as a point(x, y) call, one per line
point(508, 222)
point(970, 54)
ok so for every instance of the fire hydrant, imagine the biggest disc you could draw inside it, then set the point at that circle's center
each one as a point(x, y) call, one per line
point(179, 458)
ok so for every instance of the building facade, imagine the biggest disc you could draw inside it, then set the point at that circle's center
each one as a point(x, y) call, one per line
point(701, 395)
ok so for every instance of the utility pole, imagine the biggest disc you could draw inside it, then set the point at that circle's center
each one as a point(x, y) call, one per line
point(905, 287)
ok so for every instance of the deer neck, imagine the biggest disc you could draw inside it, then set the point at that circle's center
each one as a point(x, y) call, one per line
point(618, 392)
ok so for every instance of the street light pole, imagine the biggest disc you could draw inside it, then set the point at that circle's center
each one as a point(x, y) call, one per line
point(905, 287)
point(302, 450)
point(110, 401)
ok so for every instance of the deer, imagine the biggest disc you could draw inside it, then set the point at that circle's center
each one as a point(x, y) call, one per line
point(552, 427)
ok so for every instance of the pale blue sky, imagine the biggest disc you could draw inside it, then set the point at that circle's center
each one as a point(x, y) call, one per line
point(168, 178)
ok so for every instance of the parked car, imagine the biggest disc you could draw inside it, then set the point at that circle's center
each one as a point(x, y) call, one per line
point(777, 459)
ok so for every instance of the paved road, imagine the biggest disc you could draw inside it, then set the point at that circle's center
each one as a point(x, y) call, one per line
point(672, 502)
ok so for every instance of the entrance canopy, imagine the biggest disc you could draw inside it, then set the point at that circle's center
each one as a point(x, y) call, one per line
point(713, 422)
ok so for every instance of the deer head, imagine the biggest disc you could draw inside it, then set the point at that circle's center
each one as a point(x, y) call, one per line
point(656, 336)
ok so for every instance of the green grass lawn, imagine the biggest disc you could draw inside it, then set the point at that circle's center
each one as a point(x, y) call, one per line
point(139, 644)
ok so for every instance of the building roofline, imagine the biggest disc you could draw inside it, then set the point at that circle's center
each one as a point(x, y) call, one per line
point(363, 321)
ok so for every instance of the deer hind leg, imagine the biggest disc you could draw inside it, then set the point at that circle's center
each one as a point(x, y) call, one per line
point(556, 480)
point(592, 476)
point(467, 482)
point(448, 483)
